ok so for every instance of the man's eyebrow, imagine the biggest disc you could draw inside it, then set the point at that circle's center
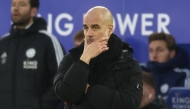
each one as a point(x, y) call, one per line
point(84, 25)
point(94, 25)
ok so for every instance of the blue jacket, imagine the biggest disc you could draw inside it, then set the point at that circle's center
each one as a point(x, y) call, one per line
point(174, 73)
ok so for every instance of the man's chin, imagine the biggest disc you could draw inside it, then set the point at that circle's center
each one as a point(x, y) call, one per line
point(20, 22)
point(17, 23)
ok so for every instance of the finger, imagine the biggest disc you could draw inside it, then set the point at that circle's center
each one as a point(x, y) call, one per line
point(105, 48)
point(103, 39)
point(104, 43)
point(85, 42)
point(100, 45)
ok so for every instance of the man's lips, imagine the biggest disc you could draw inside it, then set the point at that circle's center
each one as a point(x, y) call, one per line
point(16, 15)
point(90, 40)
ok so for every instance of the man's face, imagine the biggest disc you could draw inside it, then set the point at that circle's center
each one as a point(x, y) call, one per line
point(21, 12)
point(146, 98)
point(95, 27)
point(158, 51)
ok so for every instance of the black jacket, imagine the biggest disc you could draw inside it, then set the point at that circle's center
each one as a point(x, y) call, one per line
point(118, 86)
point(29, 59)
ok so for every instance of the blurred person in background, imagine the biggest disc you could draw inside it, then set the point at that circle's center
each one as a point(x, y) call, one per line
point(168, 63)
point(29, 58)
point(149, 99)
point(101, 72)
point(78, 38)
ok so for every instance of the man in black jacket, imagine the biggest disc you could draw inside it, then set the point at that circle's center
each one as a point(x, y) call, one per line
point(149, 100)
point(100, 73)
point(29, 58)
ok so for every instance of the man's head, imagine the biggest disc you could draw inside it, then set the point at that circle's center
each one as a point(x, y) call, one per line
point(162, 47)
point(97, 23)
point(78, 38)
point(23, 11)
point(149, 92)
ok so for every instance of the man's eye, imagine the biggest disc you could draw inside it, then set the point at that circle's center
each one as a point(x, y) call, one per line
point(85, 28)
point(23, 4)
point(160, 50)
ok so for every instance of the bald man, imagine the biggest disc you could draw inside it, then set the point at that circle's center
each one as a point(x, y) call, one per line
point(100, 73)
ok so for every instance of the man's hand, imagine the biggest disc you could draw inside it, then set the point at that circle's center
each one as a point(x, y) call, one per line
point(87, 88)
point(94, 49)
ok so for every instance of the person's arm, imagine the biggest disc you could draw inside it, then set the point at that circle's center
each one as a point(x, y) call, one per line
point(127, 96)
point(71, 79)
point(53, 56)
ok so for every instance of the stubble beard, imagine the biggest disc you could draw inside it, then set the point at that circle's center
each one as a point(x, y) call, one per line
point(23, 21)
point(90, 40)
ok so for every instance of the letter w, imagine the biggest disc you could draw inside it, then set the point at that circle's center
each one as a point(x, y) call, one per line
point(127, 21)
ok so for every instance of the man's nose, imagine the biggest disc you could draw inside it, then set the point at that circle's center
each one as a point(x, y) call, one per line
point(15, 7)
point(154, 55)
point(89, 33)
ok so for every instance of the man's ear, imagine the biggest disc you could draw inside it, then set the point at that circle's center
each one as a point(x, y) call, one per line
point(172, 54)
point(110, 30)
point(152, 94)
point(34, 12)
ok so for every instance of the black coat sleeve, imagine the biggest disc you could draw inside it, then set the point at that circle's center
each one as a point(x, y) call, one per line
point(127, 96)
point(71, 79)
